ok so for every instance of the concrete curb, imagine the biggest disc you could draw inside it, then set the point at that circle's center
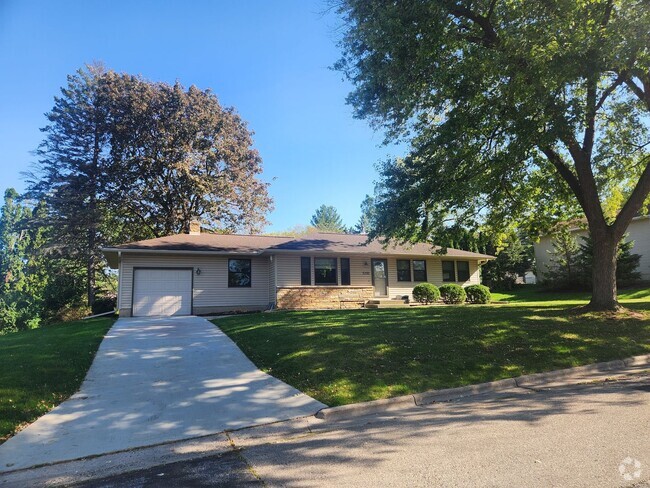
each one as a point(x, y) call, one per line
point(449, 394)
point(365, 408)
point(589, 372)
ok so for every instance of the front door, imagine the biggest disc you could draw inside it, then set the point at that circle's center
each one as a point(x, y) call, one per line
point(380, 277)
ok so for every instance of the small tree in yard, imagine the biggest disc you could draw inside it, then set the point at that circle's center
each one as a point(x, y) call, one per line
point(564, 271)
point(512, 261)
point(516, 111)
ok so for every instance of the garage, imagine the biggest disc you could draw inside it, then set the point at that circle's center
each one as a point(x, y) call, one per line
point(162, 291)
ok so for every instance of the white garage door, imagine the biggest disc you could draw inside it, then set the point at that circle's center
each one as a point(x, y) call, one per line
point(162, 292)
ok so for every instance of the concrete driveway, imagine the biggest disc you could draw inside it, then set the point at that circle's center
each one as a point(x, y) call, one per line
point(156, 380)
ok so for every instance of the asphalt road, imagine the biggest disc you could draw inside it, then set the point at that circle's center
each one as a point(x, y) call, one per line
point(579, 436)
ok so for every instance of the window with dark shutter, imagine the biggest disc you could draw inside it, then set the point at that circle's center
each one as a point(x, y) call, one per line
point(403, 270)
point(305, 271)
point(419, 270)
point(448, 271)
point(345, 271)
point(325, 271)
point(463, 270)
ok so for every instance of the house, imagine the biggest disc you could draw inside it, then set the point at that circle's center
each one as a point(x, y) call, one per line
point(200, 273)
point(638, 231)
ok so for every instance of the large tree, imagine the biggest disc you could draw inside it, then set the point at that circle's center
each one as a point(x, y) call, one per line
point(124, 158)
point(516, 110)
point(73, 170)
point(182, 155)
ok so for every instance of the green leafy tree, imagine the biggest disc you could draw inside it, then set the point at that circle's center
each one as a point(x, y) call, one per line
point(512, 261)
point(327, 219)
point(518, 110)
point(124, 159)
point(23, 275)
point(365, 223)
point(181, 155)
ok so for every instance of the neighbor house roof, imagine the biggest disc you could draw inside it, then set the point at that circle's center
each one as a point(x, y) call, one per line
point(257, 244)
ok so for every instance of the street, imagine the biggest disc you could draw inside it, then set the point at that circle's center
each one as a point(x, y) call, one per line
point(587, 435)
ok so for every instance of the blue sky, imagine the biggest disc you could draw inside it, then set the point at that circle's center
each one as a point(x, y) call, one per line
point(269, 59)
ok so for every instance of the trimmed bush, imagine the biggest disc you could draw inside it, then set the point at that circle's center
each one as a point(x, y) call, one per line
point(478, 294)
point(426, 293)
point(452, 293)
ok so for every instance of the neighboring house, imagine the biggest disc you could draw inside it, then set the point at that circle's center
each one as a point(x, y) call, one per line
point(206, 273)
point(638, 231)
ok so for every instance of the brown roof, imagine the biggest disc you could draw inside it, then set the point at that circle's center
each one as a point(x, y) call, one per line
point(256, 244)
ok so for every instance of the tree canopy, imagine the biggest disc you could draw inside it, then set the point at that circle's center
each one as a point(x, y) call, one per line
point(521, 111)
point(124, 158)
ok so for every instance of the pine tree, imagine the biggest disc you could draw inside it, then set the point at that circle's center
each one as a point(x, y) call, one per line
point(72, 172)
point(564, 270)
point(627, 263)
point(365, 223)
point(327, 219)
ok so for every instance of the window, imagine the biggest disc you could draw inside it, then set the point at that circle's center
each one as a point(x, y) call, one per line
point(325, 271)
point(419, 270)
point(448, 271)
point(239, 273)
point(345, 271)
point(403, 270)
point(463, 270)
point(305, 271)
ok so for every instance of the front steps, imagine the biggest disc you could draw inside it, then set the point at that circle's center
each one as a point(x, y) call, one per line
point(387, 303)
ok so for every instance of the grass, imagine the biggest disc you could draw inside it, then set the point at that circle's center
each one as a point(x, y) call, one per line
point(347, 356)
point(40, 368)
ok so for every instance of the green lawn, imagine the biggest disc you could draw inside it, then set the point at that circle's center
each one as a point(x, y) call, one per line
point(348, 356)
point(40, 368)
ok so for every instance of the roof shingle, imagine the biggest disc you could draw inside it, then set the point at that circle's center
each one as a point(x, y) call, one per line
point(258, 244)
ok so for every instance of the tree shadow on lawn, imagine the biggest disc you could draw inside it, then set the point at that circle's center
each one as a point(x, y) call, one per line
point(341, 357)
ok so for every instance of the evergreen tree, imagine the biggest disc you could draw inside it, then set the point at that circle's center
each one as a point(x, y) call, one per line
point(365, 223)
point(564, 270)
point(73, 171)
point(627, 263)
point(327, 219)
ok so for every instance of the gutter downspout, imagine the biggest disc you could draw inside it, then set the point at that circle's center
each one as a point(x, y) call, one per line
point(119, 280)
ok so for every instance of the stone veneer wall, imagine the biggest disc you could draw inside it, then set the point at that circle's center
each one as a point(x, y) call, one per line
point(329, 297)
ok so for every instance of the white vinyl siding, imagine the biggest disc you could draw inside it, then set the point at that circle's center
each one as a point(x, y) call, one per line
point(210, 287)
point(162, 292)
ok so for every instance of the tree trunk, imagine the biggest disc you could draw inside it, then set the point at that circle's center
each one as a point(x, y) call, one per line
point(603, 278)
point(90, 281)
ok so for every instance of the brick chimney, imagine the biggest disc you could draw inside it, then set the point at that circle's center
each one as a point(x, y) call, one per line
point(195, 227)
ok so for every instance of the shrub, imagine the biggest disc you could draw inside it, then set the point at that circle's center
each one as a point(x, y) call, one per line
point(426, 293)
point(104, 304)
point(452, 293)
point(478, 294)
